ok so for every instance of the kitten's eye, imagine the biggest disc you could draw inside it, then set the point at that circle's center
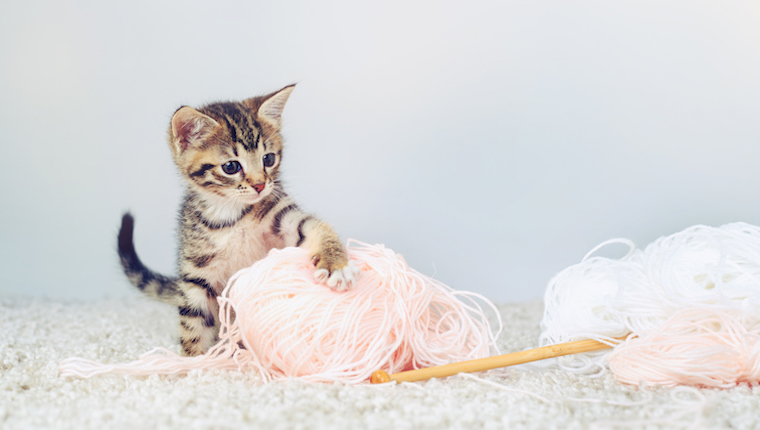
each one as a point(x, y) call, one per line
point(231, 167)
point(269, 160)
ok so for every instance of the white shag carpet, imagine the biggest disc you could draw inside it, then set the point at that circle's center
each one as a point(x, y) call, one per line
point(36, 334)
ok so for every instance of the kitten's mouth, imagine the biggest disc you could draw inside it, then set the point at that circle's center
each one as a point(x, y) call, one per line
point(252, 198)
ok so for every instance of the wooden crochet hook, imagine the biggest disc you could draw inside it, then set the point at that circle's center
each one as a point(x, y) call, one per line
point(488, 363)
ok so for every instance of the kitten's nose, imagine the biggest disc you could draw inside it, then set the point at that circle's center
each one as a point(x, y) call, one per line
point(259, 187)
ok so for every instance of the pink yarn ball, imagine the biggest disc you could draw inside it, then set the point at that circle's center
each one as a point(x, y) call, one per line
point(394, 318)
point(696, 346)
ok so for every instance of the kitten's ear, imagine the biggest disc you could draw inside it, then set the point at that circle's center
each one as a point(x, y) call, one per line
point(272, 106)
point(188, 127)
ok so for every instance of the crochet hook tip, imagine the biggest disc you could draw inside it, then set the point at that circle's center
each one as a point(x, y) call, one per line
point(380, 377)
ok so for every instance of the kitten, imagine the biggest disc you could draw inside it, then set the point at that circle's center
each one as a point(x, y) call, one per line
point(233, 213)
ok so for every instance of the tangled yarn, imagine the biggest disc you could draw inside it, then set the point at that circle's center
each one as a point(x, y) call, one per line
point(689, 304)
point(277, 319)
point(701, 347)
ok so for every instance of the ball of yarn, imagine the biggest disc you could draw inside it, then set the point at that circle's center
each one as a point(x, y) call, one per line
point(277, 319)
point(687, 301)
point(700, 347)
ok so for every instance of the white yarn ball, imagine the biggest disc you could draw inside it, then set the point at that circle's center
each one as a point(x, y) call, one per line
point(700, 267)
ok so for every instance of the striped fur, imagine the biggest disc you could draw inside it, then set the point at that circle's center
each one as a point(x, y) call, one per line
point(229, 219)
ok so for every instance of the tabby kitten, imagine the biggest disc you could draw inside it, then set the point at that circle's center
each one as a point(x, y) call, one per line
point(233, 213)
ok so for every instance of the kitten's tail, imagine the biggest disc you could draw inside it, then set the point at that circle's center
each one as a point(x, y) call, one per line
point(152, 284)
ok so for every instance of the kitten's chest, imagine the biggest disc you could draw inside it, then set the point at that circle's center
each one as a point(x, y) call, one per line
point(239, 247)
point(244, 243)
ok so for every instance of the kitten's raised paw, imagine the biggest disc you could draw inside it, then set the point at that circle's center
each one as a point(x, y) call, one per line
point(340, 279)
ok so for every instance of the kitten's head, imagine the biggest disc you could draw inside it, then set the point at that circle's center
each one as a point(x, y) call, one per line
point(230, 152)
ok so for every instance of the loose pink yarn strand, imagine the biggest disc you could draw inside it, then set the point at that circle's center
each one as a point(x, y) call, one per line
point(395, 319)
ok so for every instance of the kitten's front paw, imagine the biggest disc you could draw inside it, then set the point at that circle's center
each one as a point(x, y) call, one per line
point(338, 279)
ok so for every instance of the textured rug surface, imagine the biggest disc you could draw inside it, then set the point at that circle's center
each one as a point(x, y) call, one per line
point(36, 334)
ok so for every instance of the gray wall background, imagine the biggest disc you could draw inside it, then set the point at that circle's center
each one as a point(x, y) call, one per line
point(491, 143)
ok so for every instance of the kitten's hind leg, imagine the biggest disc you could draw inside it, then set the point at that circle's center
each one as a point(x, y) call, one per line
point(198, 320)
